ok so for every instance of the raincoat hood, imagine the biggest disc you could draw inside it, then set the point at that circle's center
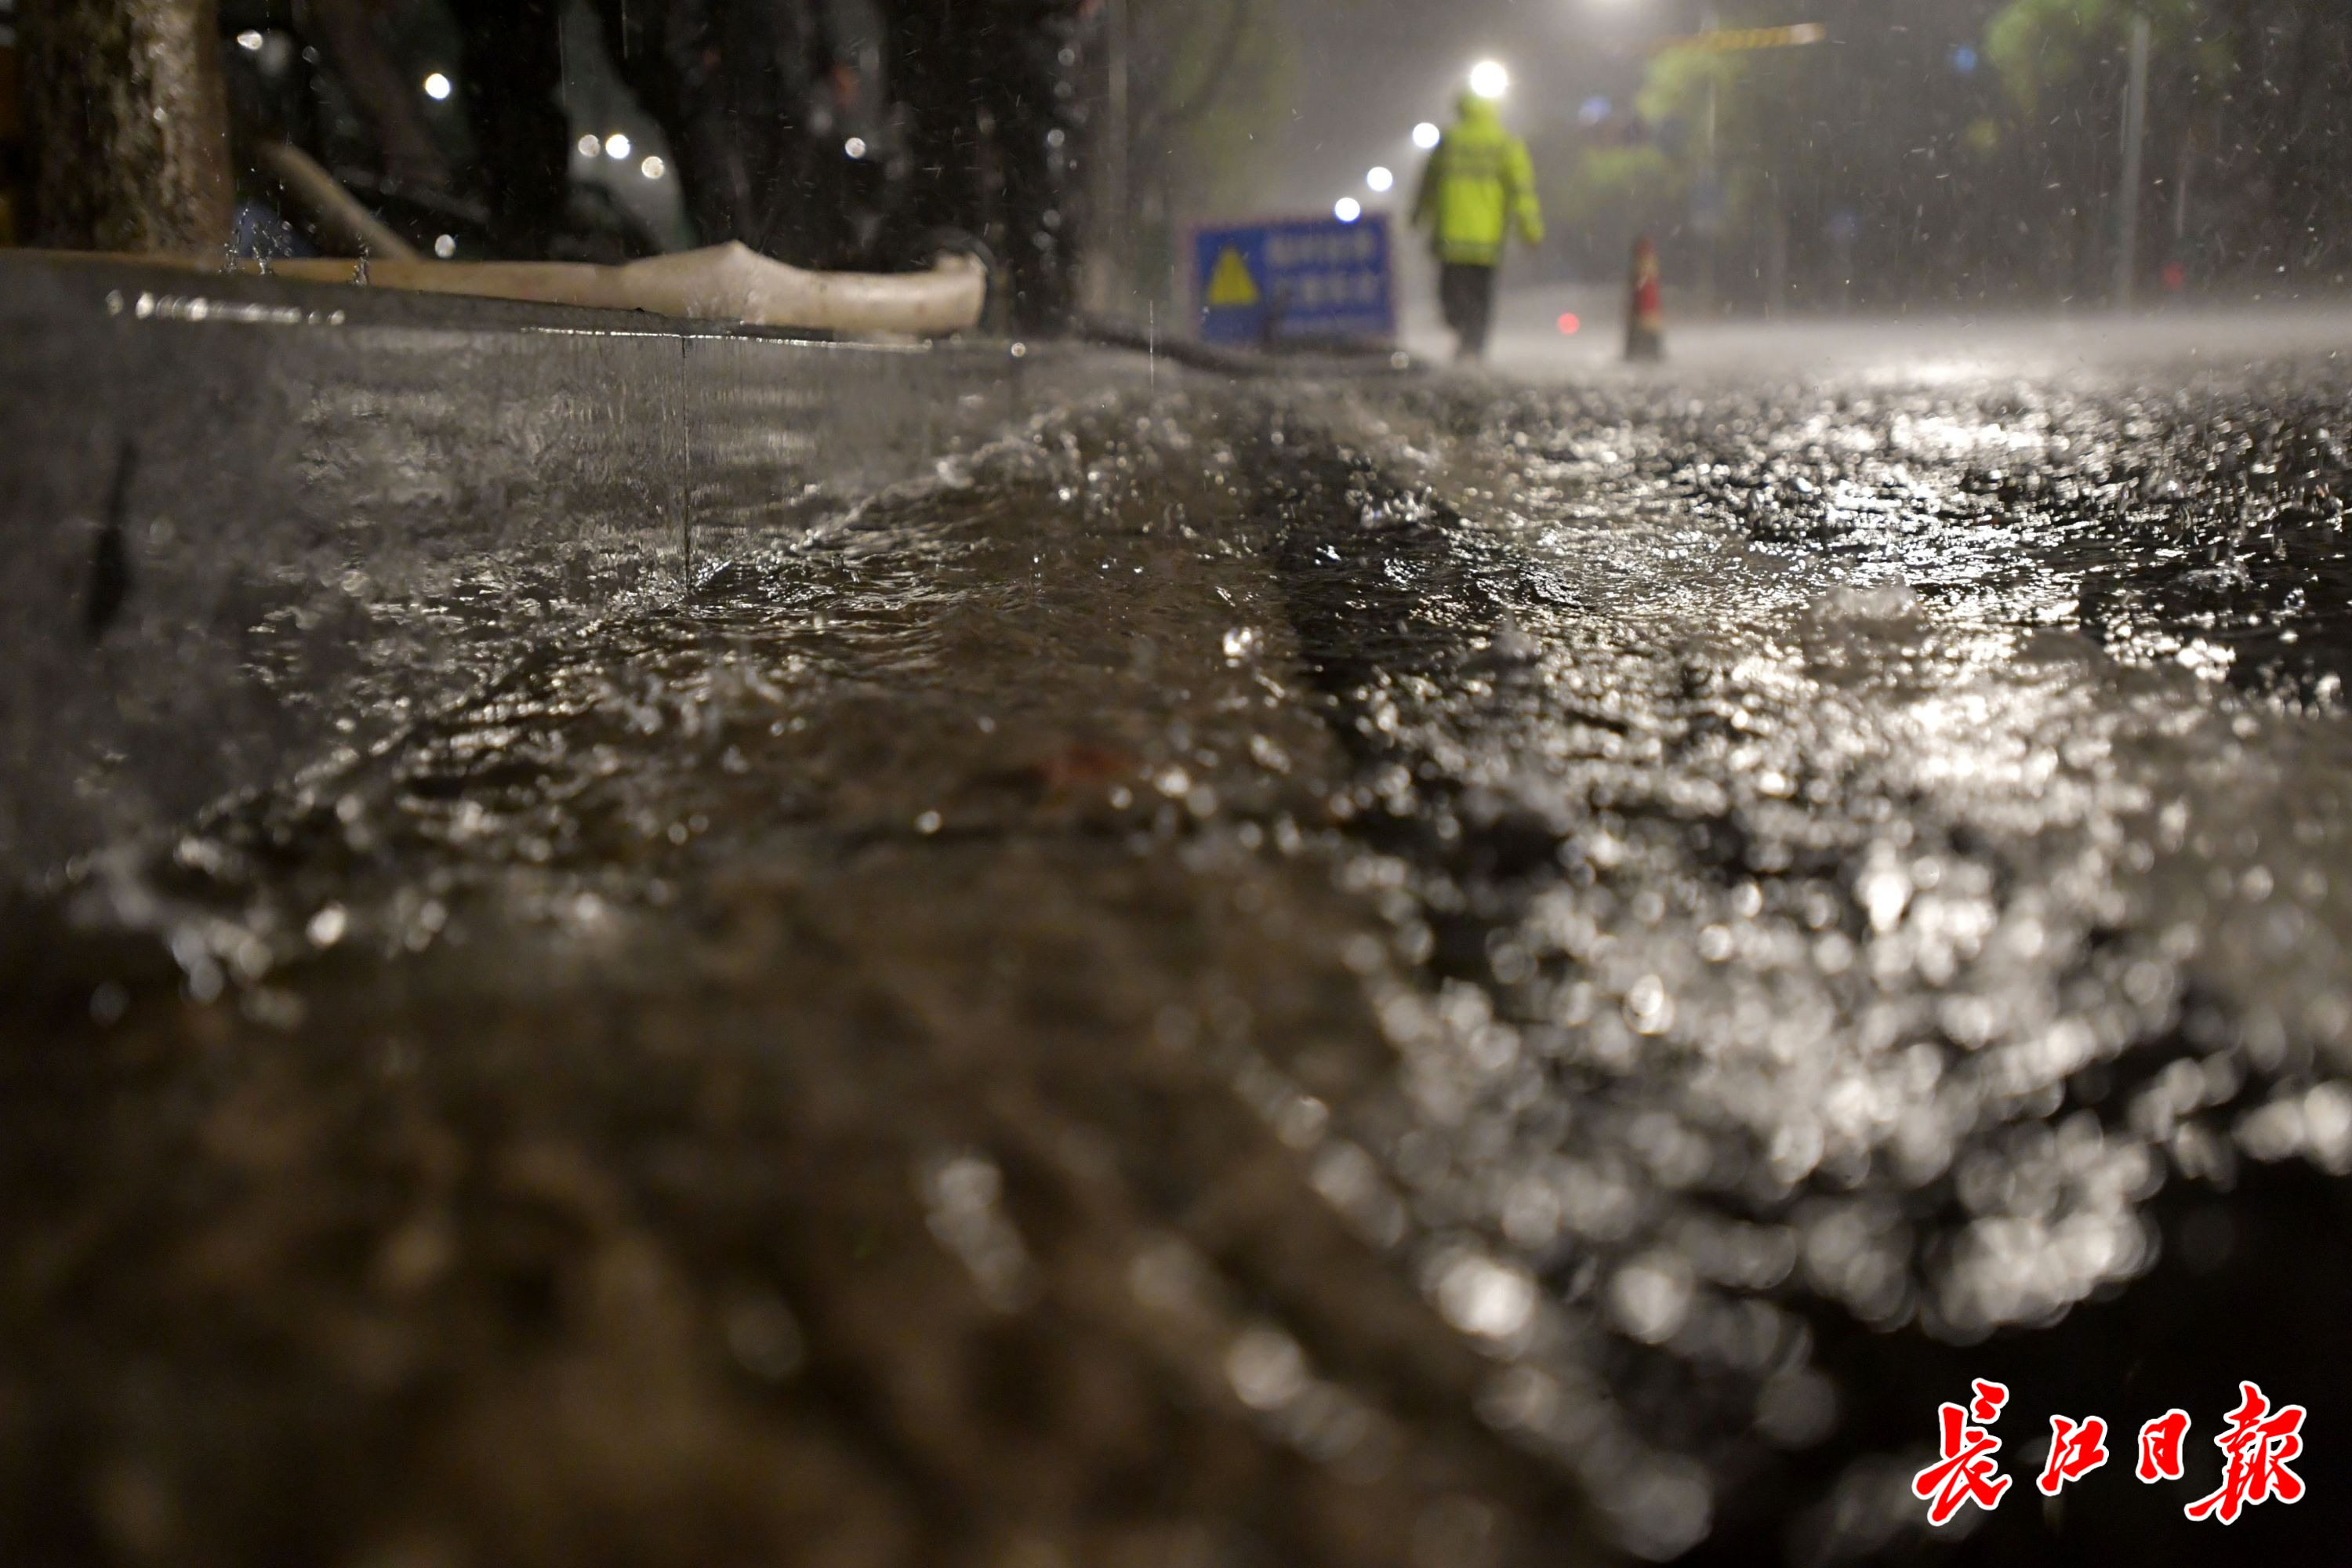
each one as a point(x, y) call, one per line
point(1477, 110)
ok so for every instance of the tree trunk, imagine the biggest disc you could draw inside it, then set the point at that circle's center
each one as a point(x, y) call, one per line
point(127, 117)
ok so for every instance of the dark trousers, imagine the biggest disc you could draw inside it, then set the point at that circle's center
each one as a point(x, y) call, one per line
point(706, 70)
point(1467, 291)
point(510, 74)
point(993, 117)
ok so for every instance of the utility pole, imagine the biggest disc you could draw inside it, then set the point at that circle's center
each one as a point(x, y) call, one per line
point(2181, 191)
point(1709, 218)
point(1114, 229)
point(2135, 146)
point(127, 115)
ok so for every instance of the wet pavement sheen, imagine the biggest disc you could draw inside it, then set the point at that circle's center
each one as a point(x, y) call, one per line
point(1414, 971)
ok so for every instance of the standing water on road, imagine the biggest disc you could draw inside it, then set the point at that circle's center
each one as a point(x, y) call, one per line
point(1405, 972)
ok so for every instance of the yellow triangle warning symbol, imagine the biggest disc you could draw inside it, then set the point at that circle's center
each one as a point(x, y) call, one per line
point(1231, 286)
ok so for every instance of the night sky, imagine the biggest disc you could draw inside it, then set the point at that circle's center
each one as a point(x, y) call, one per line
point(1370, 68)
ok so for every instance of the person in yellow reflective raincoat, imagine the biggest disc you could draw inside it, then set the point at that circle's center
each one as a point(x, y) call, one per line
point(1479, 184)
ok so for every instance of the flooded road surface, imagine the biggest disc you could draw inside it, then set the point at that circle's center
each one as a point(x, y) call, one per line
point(1407, 971)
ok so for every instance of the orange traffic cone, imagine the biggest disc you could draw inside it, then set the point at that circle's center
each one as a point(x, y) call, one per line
point(1645, 311)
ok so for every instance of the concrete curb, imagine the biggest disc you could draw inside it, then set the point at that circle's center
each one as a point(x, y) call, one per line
point(252, 525)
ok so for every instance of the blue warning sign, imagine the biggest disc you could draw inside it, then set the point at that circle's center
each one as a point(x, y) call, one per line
point(1296, 280)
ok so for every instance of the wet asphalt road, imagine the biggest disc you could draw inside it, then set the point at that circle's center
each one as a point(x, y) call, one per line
point(1408, 970)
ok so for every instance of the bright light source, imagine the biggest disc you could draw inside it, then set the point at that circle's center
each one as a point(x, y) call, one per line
point(616, 146)
point(653, 168)
point(445, 246)
point(1490, 79)
point(436, 86)
point(590, 146)
point(1381, 181)
point(1348, 209)
point(1570, 324)
point(854, 146)
point(251, 41)
point(1426, 136)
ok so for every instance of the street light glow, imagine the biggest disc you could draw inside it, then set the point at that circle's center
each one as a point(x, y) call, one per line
point(1490, 79)
point(1426, 136)
point(436, 86)
point(1348, 209)
point(1381, 181)
point(616, 146)
point(653, 168)
point(590, 146)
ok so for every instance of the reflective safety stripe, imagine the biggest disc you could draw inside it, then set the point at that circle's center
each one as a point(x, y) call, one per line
point(1475, 163)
